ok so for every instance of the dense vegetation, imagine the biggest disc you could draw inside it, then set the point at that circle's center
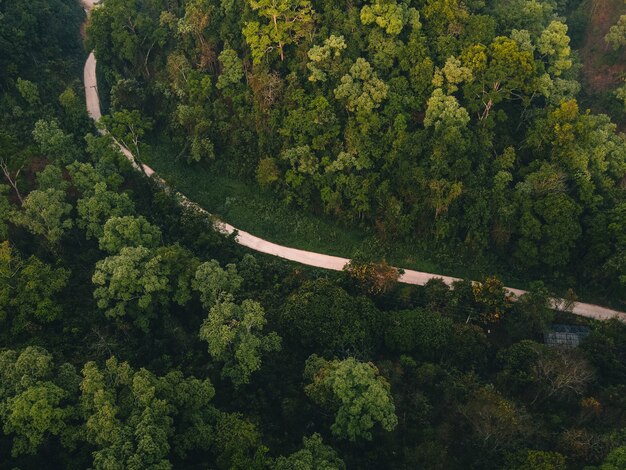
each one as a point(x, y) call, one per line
point(446, 124)
point(132, 335)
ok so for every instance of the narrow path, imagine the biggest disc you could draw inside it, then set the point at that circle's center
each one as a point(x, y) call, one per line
point(300, 256)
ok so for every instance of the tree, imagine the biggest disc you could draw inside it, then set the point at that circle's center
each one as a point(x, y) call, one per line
point(325, 58)
point(445, 115)
point(496, 421)
point(127, 35)
point(95, 210)
point(199, 16)
point(55, 144)
point(427, 335)
point(314, 455)
point(45, 213)
point(376, 278)
point(133, 282)
point(75, 113)
point(37, 399)
point(29, 91)
point(536, 460)
point(286, 22)
point(554, 44)
point(561, 373)
point(493, 300)
point(232, 69)
point(128, 231)
point(28, 290)
point(51, 177)
point(355, 391)
point(323, 317)
point(616, 37)
point(361, 90)
point(216, 284)
point(128, 127)
point(234, 334)
point(85, 178)
point(138, 420)
point(388, 15)
point(615, 460)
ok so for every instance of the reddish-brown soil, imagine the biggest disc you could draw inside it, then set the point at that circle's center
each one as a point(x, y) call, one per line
point(603, 69)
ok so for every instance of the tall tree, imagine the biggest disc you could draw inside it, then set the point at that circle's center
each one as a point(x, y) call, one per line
point(355, 392)
point(234, 334)
point(285, 22)
point(37, 398)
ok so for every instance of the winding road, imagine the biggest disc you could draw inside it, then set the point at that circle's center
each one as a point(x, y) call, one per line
point(300, 256)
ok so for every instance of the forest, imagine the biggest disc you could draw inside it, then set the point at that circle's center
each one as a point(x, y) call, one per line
point(133, 335)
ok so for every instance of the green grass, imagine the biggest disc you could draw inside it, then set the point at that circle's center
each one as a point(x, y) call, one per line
point(256, 210)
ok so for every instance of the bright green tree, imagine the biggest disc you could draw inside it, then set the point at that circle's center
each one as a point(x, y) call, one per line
point(45, 213)
point(53, 143)
point(554, 45)
point(138, 420)
point(28, 290)
point(234, 334)
point(616, 37)
point(128, 231)
point(37, 399)
point(128, 127)
point(131, 283)
point(95, 210)
point(359, 396)
point(232, 69)
point(388, 15)
point(285, 22)
point(361, 90)
point(215, 283)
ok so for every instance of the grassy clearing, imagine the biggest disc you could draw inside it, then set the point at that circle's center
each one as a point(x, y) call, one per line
point(258, 211)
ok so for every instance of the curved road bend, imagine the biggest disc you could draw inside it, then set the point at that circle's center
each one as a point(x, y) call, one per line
point(300, 256)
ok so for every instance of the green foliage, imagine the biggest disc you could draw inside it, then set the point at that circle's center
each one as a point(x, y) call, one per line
point(216, 284)
point(537, 460)
point(232, 69)
point(284, 22)
point(128, 231)
point(36, 398)
point(28, 290)
point(615, 460)
point(136, 419)
point(95, 210)
point(326, 319)
point(314, 454)
point(45, 213)
point(355, 392)
point(234, 334)
point(55, 144)
point(128, 127)
point(5, 209)
point(427, 335)
point(389, 15)
point(616, 37)
point(133, 282)
point(361, 90)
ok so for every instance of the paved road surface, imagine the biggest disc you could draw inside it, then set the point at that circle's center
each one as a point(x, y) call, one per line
point(305, 257)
